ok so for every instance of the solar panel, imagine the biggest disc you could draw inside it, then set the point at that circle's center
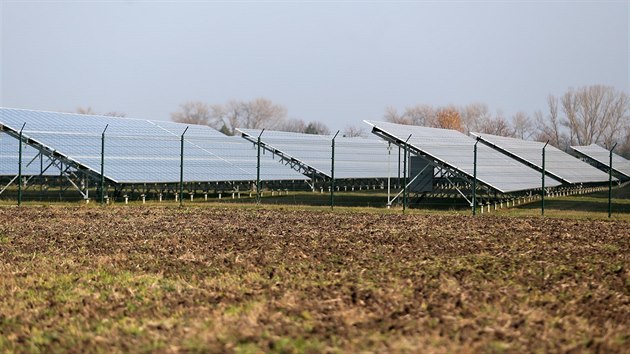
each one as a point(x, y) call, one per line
point(456, 150)
point(143, 151)
point(355, 157)
point(558, 164)
point(600, 155)
point(32, 163)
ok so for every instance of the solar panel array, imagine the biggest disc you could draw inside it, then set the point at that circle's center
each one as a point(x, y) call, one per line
point(557, 163)
point(456, 150)
point(602, 156)
point(32, 164)
point(142, 151)
point(355, 157)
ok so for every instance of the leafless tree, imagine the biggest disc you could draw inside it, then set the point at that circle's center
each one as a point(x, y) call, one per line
point(550, 128)
point(192, 112)
point(226, 117)
point(523, 127)
point(262, 113)
point(497, 126)
point(115, 114)
point(422, 114)
point(352, 131)
point(89, 111)
point(256, 114)
point(474, 116)
point(318, 128)
point(293, 125)
point(595, 114)
point(391, 115)
point(86, 110)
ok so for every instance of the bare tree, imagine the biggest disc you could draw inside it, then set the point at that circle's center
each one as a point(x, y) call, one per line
point(115, 114)
point(293, 125)
point(262, 113)
point(497, 126)
point(523, 127)
point(226, 118)
point(192, 112)
point(474, 116)
point(318, 128)
point(421, 114)
point(89, 111)
point(86, 110)
point(550, 128)
point(352, 131)
point(391, 115)
point(595, 114)
point(256, 114)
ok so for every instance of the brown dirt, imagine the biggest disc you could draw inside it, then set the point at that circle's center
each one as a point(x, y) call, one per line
point(274, 280)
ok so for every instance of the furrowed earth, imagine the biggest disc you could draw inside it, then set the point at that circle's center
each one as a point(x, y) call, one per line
point(233, 279)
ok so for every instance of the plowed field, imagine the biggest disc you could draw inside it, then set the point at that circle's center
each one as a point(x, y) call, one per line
point(233, 279)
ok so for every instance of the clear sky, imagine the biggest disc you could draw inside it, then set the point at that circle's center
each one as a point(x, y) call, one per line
point(336, 62)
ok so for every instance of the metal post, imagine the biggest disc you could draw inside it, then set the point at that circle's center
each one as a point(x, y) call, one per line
point(474, 188)
point(405, 174)
point(332, 173)
point(389, 161)
point(610, 165)
point(398, 164)
point(20, 168)
point(181, 170)
point(542, 192)
point(258, 169)
point(103, 165)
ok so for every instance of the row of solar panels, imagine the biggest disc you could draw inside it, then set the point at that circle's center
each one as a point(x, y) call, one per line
point(145, 151)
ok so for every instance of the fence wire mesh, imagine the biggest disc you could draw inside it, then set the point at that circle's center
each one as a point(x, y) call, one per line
point(194, 166)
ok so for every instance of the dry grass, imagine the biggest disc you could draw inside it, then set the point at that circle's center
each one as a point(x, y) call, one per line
point(288, 280)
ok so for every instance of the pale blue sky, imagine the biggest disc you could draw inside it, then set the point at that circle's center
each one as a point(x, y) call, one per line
point(337, 62)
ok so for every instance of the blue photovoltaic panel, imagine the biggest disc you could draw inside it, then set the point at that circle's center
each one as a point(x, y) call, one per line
point(143, 151)
point(456, 150)
point(600, 155)
point(355, 157)
point(32, 163)
point(558, 164)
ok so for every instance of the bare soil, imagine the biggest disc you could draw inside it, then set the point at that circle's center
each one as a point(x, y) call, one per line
point(233, 279)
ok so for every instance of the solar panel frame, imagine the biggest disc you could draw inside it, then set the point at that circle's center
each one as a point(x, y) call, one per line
point(601, 155)
point(209, 156)
point(558, 164)
point(315, 152)
point(455, 150)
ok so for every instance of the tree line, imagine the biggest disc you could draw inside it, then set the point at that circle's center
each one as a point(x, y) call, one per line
point(255, 114)
point(587, 115)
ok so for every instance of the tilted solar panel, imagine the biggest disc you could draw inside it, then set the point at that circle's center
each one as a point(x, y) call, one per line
point(355, 157)
point(456, 150)
point(602, 156)
point(557, 163)
point(142, 151)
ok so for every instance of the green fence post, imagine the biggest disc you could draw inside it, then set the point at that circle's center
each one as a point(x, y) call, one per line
point(181, 170)
point(474, 189)
point(103, 165)
point(332, 173)
point(542, 192)
point(399, 164)
point(258, 168)
point(610, 165)
point(405, 174)
point(20, 167)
